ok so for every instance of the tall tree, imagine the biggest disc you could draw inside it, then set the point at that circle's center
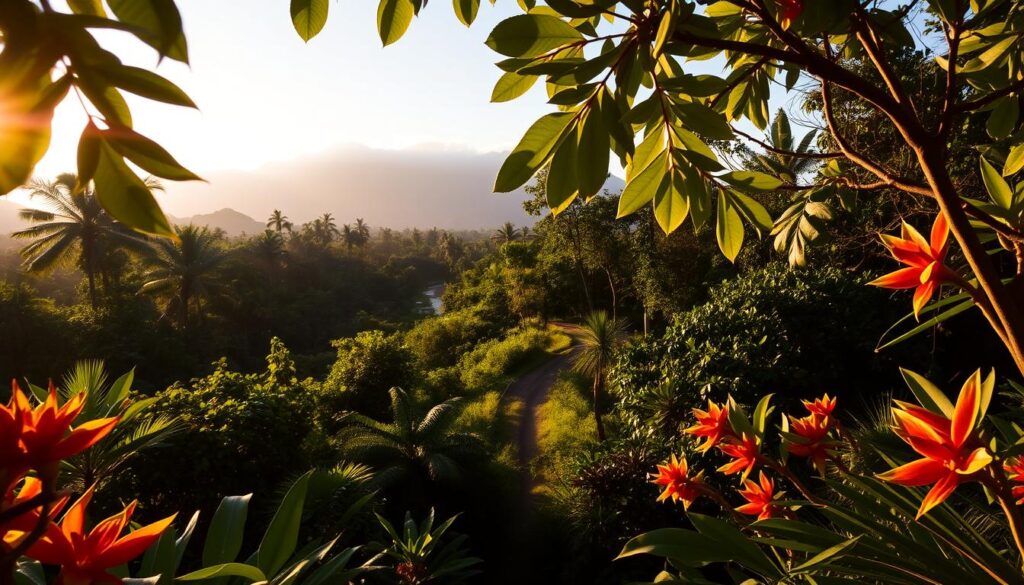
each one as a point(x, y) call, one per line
point(596, 341)
point(279, 221)
point(185, 272)
point(75, 230)
point(505, 234)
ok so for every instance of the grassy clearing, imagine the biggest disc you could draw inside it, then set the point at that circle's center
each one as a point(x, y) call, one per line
point(565, 424)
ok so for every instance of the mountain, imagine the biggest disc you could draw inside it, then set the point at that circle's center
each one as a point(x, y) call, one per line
point(400, 189)
point(234, 223)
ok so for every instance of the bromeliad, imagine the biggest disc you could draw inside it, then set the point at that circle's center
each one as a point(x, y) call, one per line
point(675, 476)
point(712, 425)
point(761, 498)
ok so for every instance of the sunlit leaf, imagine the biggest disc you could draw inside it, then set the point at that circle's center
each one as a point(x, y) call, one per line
point(309, 17)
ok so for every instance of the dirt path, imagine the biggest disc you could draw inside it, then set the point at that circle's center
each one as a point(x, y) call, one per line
point(533, 390)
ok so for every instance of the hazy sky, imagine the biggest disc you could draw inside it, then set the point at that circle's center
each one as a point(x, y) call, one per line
point(264, 95)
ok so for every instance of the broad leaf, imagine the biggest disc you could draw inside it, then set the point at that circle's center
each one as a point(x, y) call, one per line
point(531, 35)
point(309, 17)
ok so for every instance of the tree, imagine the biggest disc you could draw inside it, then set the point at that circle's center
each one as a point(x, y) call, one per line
point(596, 341)
point(363, 229)
point(185, 273)
point(77, 230)
point(279, 221)
point(421, 450)
point(505, 234)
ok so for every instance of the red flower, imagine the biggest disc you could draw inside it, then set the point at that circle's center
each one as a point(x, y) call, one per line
point(46, 436)
point(677, 481)
point(925, 270)
point(1015, 470)
point(821, 406)
point(85, 558)
point(789, 10)
point(810, 439)
point(12, 531)
point(760, 498)
point(745, 453)
point(951, 449)
point(12, 466)
point(712, 425)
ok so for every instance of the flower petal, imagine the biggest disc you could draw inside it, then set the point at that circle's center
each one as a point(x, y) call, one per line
point(922, 295)
point(976, 461)
point(938, 494)
point(965, 415)
point(915, 473)
point(900, 279)
point(940, 236)
point(134, 544)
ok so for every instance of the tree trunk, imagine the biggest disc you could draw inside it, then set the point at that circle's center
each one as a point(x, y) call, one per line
point(615, 302)
point(598, 391)
point(92, 287)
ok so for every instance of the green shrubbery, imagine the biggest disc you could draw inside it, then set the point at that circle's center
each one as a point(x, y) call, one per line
point(489, 365)
point(565, 425)
point(439, 341)
point(771, 330)
point(367, 366)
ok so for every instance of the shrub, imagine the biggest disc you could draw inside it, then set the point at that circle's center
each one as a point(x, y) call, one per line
point(771, 330)
point(488, 365)
point(242, 433)
point(439, 341)
point(565, 426)
point(367, 366)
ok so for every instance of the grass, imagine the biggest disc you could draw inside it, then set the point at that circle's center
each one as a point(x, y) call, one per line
point(494, 420)
point(565, 423)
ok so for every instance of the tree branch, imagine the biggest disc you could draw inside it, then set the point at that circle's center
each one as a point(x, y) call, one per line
point(770, 148)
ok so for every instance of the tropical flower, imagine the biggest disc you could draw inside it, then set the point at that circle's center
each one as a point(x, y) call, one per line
point(85, 558)
point(761, 498)
point(1015, 471)
point(712, 425)
point(951, 449)
point(745, 453)
point(925, 270)
point(677, 481)
point(12, 465)
point(789, 10)
point(809, 438)
point(821, 406)
point(15, 529)
point(46, 436)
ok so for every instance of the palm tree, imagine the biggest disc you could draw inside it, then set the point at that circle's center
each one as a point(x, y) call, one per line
point(596, 341)
point(787, 167)
point(140, 427)
point(349, 236)
point(279, 221)
point(363, 229)
point(77, 230)
point(505, 234)
point(184, 273)
point(268, 248)
point(410, 448)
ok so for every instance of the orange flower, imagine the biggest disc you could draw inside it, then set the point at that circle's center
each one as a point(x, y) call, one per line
point(951, 449)
point(745, 453)
point(789, 10)
point(85, 558)
point(712, 425)
point(46, 435)
point(809, 438)
point(760, 498)
point(925, 270)
point(12, 465)
point(1015, 470)
point(677, 481)
point(821, 406)
point(12, 531)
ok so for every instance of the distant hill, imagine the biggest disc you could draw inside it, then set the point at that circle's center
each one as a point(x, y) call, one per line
point(234, 223)
point(394, 188)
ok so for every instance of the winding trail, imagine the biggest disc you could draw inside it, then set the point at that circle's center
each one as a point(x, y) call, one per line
point(533, 390)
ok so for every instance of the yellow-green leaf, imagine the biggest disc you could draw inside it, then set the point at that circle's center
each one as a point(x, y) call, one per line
point(533, 151)
point(126, 197)
point(728, 228)
point(393, 19)
point(309, 17)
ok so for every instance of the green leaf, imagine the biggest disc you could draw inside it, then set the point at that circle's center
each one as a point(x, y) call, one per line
point(309, 17)
point(728, 228)
point(532, 151)
point(643, 187)
point(998, 190)
point(393, 19)
point(825, 555)
point(466, 10)
point(761, 412)
point(562, 186)
point(752, 211)
point(149, 155)
point(1003, 118)
point(512, 85)
point(671, 205)
point(1014, 160)
point(704, 121)
point(928, 395)
point(25, 131)
point(281, 536)
point(679, 545)
point(739, 547)
point(253, 574)
point(88, 155)
point(126, 197)
point(89, 7)
point(751, 180)
point(161, 22)
point(593, 153)
point(531, 35)
point(227, 528)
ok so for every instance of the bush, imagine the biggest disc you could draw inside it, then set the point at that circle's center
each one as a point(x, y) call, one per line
point(771, 330)
point(439, 341)
point(565, 426)
point(242, 433)
point(487, 366)
point(367, 366)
